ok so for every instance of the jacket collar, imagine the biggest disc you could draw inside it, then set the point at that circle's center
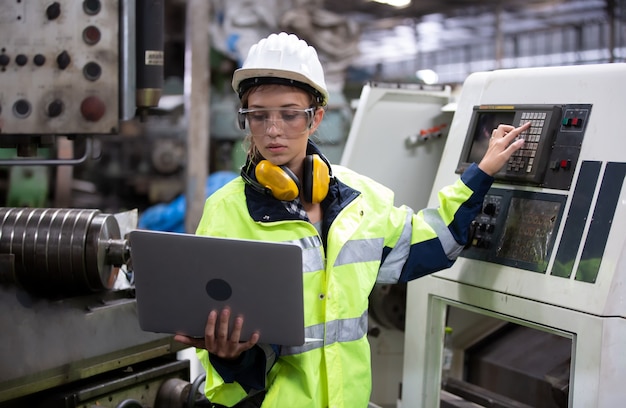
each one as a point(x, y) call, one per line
point(265, 208)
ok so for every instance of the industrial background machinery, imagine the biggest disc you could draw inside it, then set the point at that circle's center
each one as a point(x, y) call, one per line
point(92, 133)
point(72, 74)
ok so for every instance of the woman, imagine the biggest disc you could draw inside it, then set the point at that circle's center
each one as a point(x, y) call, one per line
point(351, 234)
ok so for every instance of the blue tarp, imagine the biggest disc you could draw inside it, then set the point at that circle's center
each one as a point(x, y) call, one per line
point(170, 216)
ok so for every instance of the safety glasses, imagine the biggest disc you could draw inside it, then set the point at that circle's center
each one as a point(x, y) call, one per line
point(290, 121)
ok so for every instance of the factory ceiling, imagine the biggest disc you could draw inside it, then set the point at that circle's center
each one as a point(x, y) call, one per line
point(392, 33)
point(425, 32)
point(373, 10)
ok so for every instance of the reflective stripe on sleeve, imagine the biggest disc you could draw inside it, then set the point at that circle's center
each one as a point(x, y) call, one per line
point(390, 270)
point(451, 248)
point(360, 250)
point(342, 330)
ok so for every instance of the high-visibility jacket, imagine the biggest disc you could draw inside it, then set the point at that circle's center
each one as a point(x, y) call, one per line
point(365, 240)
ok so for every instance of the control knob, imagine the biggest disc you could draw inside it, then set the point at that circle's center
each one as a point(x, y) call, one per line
point(53, 11)
point(55, 108)
point(63, 60)
point(490, 209)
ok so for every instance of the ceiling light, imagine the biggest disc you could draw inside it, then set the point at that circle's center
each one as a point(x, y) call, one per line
point(427, 76)
point(395, 3)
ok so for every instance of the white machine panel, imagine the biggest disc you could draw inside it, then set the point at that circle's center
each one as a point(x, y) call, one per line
point(59, 67)
point(548, 249)
point(397, 137)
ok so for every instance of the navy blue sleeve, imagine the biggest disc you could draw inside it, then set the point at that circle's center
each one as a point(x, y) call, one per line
point(429, 256)
point(480, 183)
point(248, 370)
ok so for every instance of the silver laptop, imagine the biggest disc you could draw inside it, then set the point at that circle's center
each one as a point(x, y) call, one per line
point(180, 278)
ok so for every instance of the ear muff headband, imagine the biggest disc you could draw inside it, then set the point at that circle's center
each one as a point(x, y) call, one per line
point(316, 179)
point(281, 181)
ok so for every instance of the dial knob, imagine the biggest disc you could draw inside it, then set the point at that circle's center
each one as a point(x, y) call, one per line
point(53, 11)
point(490, 209)
point(63, 60)
point(55, 108)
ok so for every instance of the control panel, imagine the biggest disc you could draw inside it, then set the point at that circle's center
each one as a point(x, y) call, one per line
point(516, 228)
point(551, 148)
point(59, 67)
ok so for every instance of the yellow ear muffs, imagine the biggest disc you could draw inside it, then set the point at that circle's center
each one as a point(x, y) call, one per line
point(315, 179)
point(279, 180)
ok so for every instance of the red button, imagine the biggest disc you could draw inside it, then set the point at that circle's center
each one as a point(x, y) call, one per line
point(92, 108)
point(91, 35)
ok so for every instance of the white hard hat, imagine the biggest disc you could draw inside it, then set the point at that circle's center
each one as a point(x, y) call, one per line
point(282, 59)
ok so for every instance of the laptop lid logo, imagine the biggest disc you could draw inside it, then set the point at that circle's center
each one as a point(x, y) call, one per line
point(219, 289)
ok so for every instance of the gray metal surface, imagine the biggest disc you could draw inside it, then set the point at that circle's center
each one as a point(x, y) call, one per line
point(45, 343)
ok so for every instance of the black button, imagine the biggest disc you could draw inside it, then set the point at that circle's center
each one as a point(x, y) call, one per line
point(92, 71)
point(21, 60)
point(92, 7)
point(39, 60)
point(21, 108)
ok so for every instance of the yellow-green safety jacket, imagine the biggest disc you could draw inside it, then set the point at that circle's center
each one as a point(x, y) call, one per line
point(365, 240)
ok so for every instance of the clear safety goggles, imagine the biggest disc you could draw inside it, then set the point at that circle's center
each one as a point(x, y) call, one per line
point(289, 121)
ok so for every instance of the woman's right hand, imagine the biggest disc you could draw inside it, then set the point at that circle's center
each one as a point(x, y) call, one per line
point(217, 340)
point(502, 145)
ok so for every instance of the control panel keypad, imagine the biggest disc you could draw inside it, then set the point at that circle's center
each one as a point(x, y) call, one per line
point(523, 160)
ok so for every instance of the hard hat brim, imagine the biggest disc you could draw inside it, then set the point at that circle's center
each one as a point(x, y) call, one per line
point(243, 74)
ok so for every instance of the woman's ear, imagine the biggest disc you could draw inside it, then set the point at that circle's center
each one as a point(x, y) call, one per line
point(317, 119)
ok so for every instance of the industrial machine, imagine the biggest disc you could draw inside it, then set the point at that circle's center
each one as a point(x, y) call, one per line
point(535, 303)
point(73, 72)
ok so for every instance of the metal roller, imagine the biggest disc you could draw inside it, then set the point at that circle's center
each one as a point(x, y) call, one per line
point(53, 251)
